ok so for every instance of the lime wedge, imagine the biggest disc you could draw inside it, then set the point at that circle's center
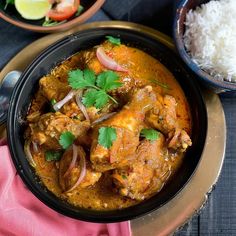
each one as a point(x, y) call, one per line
point(32, 9)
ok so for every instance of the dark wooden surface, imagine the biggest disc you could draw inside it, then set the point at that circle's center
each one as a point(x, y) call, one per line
point(219, 215)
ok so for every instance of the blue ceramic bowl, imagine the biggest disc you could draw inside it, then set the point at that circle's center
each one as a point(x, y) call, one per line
point(205, 79)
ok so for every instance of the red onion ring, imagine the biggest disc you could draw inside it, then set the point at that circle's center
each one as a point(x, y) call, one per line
point(35, 146)
point(108, 62)
point(102, 118)
point(28, 153)
point(82, 164)
point(81, 105)
point(73, 160)
point(61, 103)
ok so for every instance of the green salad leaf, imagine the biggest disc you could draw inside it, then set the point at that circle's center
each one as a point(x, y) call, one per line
point(79, 10)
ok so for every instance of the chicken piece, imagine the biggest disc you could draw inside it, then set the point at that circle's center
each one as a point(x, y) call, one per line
point(36, 107)
point(128, 123)
point(180, 140)
point(48, 129)
point(163, 117)
point(147, 173)
point(52, 88)
point(68, 178)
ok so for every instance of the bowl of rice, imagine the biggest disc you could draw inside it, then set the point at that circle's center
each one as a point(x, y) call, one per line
point(205, 37)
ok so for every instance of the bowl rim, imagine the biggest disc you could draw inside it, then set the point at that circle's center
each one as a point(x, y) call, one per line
point(130, 214)
point(61, 27)
point(223, 86)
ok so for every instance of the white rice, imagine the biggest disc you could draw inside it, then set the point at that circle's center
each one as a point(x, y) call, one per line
point(210, 38)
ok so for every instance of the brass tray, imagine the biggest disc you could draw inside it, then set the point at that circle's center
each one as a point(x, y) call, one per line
point(190, 200)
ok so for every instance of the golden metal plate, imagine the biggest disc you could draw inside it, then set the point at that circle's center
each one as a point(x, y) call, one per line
point(189, 201)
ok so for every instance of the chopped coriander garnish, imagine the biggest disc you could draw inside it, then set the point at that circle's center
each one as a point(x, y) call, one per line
point(79, 10)
point(160, 84)
point(66, 139)
point(53, 101)
point(124, 176)
point(113, 40)
point(79, 79)
point(108, 80)
point(97, 86)
point(149, 134)
point(97, 98)
point(9, 2)
point(106, 136)
point(53, 155)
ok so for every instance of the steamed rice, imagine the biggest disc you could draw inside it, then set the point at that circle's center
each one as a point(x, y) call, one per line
point(210, 38)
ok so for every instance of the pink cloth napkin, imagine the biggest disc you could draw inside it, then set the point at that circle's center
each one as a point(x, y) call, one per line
point(22, 214)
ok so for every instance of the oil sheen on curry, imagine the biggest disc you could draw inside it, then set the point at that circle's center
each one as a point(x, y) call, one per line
point(108, 127)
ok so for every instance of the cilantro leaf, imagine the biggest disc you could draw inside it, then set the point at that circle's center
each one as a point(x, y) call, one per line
point(79, 10)
point(53, 101)
point(53, 155)
point(149, 134)
point(108, 80)
point(89, 76)
point(124, 176)
point(113, 40)
point(101, 99)
point(66, 139)
point(81, 79)
point(106, 136)
point(97, 98)
point(89, 99)
point(97, 87)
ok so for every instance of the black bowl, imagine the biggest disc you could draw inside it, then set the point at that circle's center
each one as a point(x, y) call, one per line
point(58, 52)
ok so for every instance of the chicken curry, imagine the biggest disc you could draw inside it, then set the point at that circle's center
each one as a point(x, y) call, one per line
point(108, 127)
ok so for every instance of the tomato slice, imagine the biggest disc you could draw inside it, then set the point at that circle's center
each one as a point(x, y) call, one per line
point(64, 10)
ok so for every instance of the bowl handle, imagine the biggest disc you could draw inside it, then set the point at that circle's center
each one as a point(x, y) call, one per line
point(6, 88)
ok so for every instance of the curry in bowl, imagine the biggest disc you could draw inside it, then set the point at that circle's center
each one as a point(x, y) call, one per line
point(108, 127)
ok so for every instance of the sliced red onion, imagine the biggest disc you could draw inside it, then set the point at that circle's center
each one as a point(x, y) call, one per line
point(28, 153)
point(61, 103)
point(35, 146)
point(102, 118)
point(82, 164)
point(81, 105)
point(108, 62)
point(73, 160)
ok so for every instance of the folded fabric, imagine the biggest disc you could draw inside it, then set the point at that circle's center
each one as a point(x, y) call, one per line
point(22, 214)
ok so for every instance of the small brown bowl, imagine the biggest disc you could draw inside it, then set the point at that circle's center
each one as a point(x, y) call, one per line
point(13, 17)
point(218, 86)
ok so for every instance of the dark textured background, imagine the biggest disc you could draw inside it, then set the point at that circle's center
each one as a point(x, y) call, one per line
point(219, 215)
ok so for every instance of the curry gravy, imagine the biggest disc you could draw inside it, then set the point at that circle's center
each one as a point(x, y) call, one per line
point(143, 70)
